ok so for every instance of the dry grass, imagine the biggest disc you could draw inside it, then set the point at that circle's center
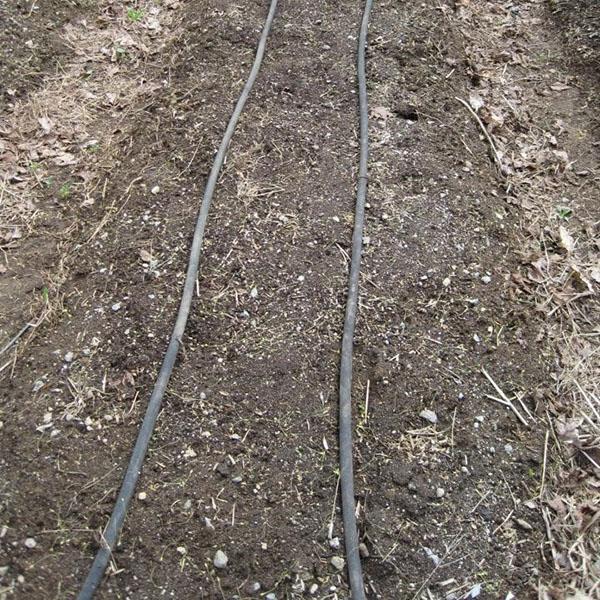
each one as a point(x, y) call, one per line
point(62, 134)
point(559, 278)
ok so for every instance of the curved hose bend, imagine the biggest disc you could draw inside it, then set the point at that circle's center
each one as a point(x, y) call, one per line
point(355, 574)
point(115, 523)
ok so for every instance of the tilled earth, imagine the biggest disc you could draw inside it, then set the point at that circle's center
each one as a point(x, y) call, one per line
point(244, 458)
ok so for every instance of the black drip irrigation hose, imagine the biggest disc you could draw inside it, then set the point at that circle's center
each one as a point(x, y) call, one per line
point(113, 529)
point(355, 574)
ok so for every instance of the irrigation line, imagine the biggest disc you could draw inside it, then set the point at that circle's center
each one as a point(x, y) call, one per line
point(355, 574)
point(113, 529)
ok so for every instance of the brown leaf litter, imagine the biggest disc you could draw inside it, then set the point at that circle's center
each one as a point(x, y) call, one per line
point(560, 272)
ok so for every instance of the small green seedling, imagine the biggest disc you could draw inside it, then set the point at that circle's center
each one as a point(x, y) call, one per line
point(135, 14)
point(45, 294)
point(564, 212)
point(64, 191)
point(34, 166)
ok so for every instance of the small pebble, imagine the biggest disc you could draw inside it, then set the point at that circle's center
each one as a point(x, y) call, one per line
point(142, 496)
point(69, 357)
point(116, 306)
point(30, 543)
point(338, 563)
point(220, 560)
point(508, 449)
point(446, 282)
point(486, 279)
point(363, 550)
point(155, 190)
point(428, 415)
point(271, 596)
point(190, 452)
point(334, 543)
point(253, 588)
point(440, 492)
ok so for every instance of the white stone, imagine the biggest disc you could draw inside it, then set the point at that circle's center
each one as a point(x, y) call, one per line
point(428, 415)
point(220, 560)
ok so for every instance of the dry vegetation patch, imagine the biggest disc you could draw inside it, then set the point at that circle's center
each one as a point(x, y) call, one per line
point(532, 111)
point(58, 142)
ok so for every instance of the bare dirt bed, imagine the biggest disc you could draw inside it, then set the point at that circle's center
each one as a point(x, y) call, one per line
point(103, 157)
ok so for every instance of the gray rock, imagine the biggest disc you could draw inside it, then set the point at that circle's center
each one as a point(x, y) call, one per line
point(428, 415)
point(338, 563)
point(220, 560)
point(334, 543)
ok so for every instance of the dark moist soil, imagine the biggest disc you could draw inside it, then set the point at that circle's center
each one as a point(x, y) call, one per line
point(30, 42)
point(244, 458)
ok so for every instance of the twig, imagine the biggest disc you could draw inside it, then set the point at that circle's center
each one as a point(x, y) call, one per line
point(450, 548)
point(495, 154)
point(366, 418)
point(337, 485)
point(505, 400)
point(510, 514)
point(550, 539)
point(452, 430)
point(544, 465)
point(11, 342)
point(480, 501)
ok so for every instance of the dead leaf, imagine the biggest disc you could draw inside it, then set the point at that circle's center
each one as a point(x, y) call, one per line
point(563, 158)
point(566, 240)
point(46, 124)
point(579, 282)
point(153, 24)
point(557, 505)
point(568, 431)
point(381, 112)
point(64, 159)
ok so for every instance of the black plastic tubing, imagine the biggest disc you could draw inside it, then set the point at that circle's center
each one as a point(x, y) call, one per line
point(355, 574)
point(115, 523)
